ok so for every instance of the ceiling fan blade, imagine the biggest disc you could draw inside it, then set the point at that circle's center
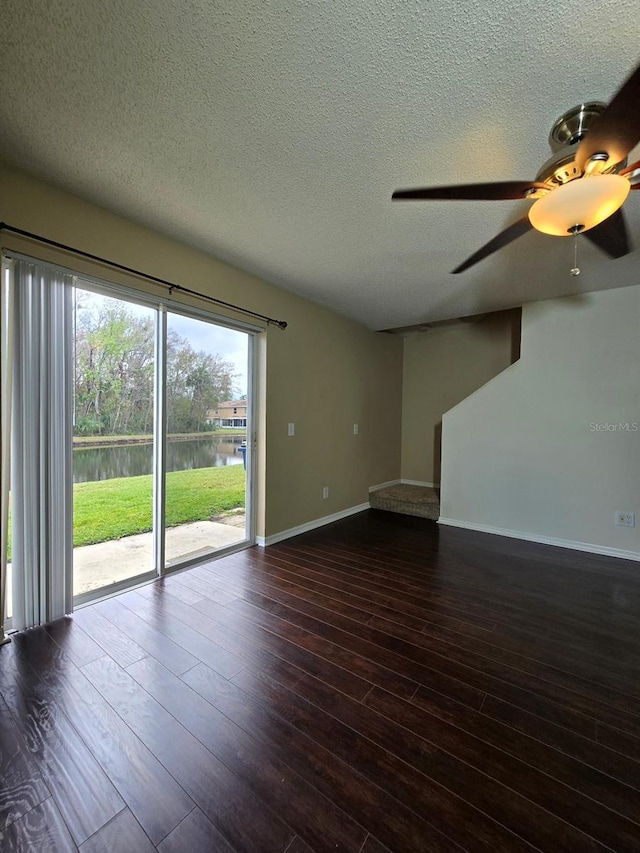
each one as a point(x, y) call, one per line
point(617, 130)
point(633, 173)
point(611, 236)
point(470, 192)
point(515, 230)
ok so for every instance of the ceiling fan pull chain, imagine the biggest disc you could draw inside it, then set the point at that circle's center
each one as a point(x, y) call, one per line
point(575, 269)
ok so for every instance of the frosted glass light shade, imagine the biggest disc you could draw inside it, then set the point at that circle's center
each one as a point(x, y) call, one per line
point(585, 201)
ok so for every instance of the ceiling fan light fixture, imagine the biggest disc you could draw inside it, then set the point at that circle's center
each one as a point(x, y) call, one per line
point(586, 201)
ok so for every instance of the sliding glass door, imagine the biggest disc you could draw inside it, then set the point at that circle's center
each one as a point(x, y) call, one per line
point(207, 368)
point(113, 427)
point(161, 456)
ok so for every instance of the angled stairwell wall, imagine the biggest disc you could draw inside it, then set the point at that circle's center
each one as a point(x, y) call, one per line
point(442, 366)
point(549, 450)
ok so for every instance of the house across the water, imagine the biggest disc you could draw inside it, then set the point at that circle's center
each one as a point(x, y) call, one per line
point(230, 414)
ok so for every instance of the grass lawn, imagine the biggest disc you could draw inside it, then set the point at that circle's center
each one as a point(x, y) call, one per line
point(110, 509)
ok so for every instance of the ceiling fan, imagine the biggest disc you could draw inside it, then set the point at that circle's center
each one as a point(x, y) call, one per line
point(582, 186)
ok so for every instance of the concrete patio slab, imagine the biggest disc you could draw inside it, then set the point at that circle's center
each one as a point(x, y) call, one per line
point(96, 566)
point(100, 565)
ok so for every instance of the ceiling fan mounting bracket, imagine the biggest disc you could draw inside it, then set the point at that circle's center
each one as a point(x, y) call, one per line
point(573, 125)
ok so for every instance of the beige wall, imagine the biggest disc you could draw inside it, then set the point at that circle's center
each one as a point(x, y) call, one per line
point(441, 367)
point(531, 453)
point(324, 373)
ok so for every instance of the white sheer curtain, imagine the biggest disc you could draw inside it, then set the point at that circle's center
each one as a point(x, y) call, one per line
point(6, 361)
point(41, 445)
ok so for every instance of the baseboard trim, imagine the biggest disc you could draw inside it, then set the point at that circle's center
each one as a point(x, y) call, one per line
point(385, 485)
point(574, 545)
point(310, 525)
point(403, 482)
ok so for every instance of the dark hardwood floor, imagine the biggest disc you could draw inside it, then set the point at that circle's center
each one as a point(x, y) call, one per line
point(381, 684)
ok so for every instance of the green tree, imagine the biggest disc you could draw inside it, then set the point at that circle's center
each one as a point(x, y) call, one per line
point(114, 373)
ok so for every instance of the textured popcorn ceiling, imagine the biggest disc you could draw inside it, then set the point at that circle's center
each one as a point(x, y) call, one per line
point(272, 134)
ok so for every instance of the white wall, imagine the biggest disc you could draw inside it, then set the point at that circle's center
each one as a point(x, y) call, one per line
point(524, 454)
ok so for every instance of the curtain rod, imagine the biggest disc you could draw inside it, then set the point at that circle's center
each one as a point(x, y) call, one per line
point(281, 324)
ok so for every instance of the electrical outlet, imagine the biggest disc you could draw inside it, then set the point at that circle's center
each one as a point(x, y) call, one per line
point(356, 429)
point(291, 429)
point(325, 491)
point(625, 519)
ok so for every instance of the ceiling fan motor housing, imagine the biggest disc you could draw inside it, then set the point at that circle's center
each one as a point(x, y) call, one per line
point(566, 133)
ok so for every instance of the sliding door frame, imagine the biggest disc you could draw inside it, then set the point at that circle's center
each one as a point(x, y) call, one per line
point(159, 440)
point(162, 306)
point(250, 473)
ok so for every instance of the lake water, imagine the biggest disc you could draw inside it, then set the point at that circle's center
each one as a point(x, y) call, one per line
point(131, 460)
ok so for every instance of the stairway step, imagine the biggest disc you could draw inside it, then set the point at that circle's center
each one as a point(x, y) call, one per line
point(407, 500)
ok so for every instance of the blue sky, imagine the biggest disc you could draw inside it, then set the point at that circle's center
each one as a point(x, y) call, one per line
point(215, 340)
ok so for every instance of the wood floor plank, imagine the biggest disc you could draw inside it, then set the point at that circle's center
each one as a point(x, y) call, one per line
point(82, 791)
point(246, 569)
point(21, 784)
point(262, 580)
point(63, 759)
point(372, 845)
point(547, 707)
point(314, 817)
point(205, 586)
point(239, 815)
point(195, 832)
point(184, 634)
point(620, 741)
point(298, 846)
point(480, 655)
point(77, 644)
point(333, 583)
point(113, 643)
point(520, 579)
point(154, 797)
point(378, 685)
point(373, 582)
point(373, 669)
point(605, 687)
point(370, 804)
point(308, 606)
point(570, 649)
point(596, 755)
point(378, 574)
point(12, 666)
point(174, 657)
point(447, 811)
point(618, 676)
point(516, 762)
point(42, 828)
point(249, 643)
point(585, 699)
point(123, 834)
point(475, 669)
point(149, 591)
